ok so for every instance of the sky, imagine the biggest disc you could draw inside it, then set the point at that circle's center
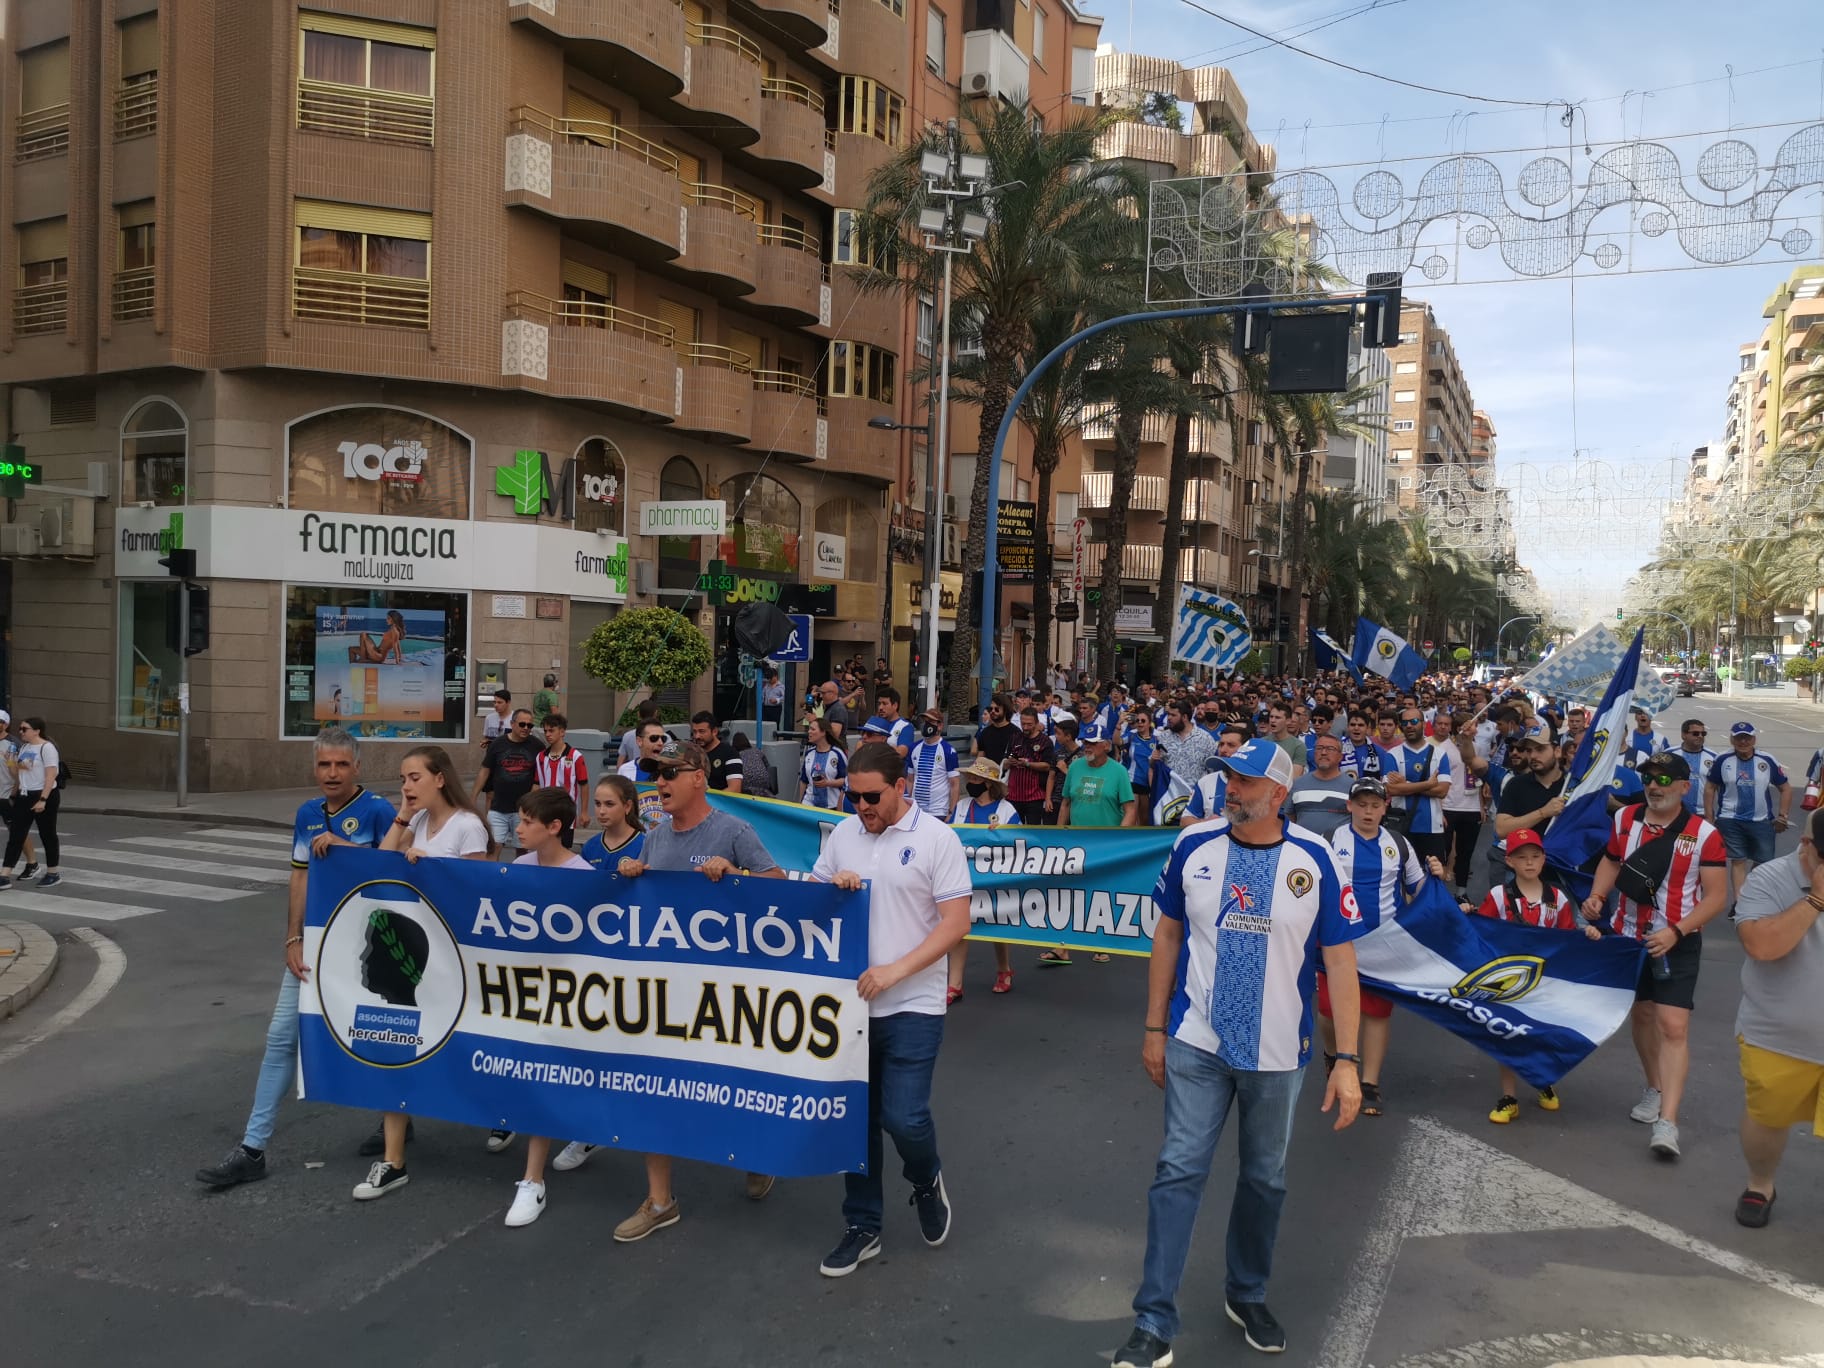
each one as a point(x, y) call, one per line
point(1630, 368)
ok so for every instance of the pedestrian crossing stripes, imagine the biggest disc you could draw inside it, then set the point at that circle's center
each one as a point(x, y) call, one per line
point(253, 874)
point(122, 878)
point(277, 838)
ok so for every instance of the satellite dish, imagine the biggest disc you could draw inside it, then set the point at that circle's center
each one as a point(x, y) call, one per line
point(761, 629)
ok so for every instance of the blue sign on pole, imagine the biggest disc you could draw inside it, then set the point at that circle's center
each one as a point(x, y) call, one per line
point(796, 651)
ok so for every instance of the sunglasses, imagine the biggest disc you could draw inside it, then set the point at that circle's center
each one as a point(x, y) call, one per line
point(673, 771)
point(868, 796)
point(1697, 731)
point(1659, 780)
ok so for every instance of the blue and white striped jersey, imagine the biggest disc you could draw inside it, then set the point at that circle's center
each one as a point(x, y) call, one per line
point(1423, 762)
point(1745, 789)
point(1255, 917)
point(930, 765)
point(1383, 870)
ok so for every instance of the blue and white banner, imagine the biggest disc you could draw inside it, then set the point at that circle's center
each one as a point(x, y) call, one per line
point(1537, 1001)
point(1210, 630)
point(1328, 654)
point(1386, 654)
point(1577, 833)
point(663, 1014)
point(1581, 673)
point(1087, 888)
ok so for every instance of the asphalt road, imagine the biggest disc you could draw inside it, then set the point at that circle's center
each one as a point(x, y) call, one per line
point(1425, 1237)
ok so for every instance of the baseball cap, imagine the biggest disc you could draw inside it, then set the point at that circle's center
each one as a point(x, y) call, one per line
point(1665, 762)
point(688, 756)
point(1741, 729)
point(1092, 731)
point(878, 725)
point(933, 716)
point(1537, 734)
point(1368, 786)
point(1627, 785)
point(6, 718)
point(1521, 839)
point(1260, 759)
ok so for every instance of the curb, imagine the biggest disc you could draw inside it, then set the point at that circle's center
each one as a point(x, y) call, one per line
point(241, 819)
point(35, 963)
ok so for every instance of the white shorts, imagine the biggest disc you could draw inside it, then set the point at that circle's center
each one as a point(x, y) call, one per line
point(504, 828)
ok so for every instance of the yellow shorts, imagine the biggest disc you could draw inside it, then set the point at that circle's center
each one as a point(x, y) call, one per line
point(1782, 1091)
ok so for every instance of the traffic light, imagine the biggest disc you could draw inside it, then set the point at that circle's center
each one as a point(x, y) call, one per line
point(1381, 314)
point(1618, 615)
point(180, 563)
point(191, 638)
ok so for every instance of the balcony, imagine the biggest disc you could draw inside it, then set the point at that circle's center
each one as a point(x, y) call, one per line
point(40, 309)
point(570, 349)
point(358, 112)
point(633, 45)
point(791, 133)
point(806, 22)
point(875, 43)
point(725, 71)
point(718, 393)
point(1212, 154)
point(136, 108)
point(789, 417)
point(1131, 140)
point(720, 246)
point(135, 294)
point(43, 133)
point(1215, 89)
point(1099, 426)
point(608, 186)
point(871, 316)
point(1148, 493)
point(855, 448)
point(789, 275)
point(1140, 564)
point(354, 297)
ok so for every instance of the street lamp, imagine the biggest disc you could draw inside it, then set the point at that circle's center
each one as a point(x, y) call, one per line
point(933, 562)
point(1278, 647)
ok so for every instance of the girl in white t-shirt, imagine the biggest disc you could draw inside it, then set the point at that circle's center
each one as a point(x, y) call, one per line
point(38, 794)
point(436, 820)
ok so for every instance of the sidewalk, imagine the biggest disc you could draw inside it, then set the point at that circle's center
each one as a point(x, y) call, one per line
point(28, 958)
point(256, 808)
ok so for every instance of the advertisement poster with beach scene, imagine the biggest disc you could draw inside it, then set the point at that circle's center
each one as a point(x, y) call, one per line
point(379, 670)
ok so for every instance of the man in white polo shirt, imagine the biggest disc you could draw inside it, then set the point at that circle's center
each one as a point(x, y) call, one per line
point(918, 907)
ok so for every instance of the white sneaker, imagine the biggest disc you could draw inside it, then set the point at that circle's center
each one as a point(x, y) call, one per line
point(1646, 1111)
point(1665, 1139)
point(573, 1156)
point(528, 1203)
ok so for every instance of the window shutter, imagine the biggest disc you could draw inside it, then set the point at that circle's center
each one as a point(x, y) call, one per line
point(591, 278)
point(44, 77)
point(753, 346)
point(683, 319)
point(694, 13)
point(139, 46)
point(578, 105)
point(364, 218)
point(372, 29)
point(45, 240)
point(690, 166)
point(138, 213)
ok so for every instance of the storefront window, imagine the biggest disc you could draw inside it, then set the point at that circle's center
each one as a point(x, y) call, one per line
point(154, 454)
point(147, 696)
point(601, 487)
point(385, 461)
point(379, 662)
point(852, 520)
point(679, 481)
point(764, 518)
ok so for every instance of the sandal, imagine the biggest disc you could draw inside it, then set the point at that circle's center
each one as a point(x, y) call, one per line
point(1098, 958)
point(952, 996)
point(1051, 959)
point(1003, 981)
point(1371, 1099)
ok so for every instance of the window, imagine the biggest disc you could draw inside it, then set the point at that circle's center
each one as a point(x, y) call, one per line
point(154, 456)
point(601, 487)
point(1402, 425)
point(360, 78)
point(751, 346)
point(679, 481)
point(147, 696)
point(1402, 455)
point(1406, 368)
point(927, 324)
point(934, 42)
point(855, 522)
point(859, 371)
point(44, 101)
point(1082, 75)
point(849, 244)
point(367, 458)
point(1405, 396)
point(1409, 339)
point(380, 662)
point(1038, 35)
point(358, 264)
point(588, 293)
point(871, 110)
point(136, 102)
point(897, 6)
point(134, 279)
point(41, 303)
point(686, 322)
point(764, 518)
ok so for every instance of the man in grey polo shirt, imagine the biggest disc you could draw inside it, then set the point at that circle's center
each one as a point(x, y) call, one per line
point(1779, 1024)
point(1319, 801)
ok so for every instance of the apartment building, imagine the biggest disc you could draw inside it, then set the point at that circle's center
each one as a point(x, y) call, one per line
point(1356, 461)
point(1764, 400)
point(400, 315)
point(1430, 412)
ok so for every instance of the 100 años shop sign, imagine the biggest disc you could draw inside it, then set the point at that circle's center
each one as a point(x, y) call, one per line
point(714, 1021)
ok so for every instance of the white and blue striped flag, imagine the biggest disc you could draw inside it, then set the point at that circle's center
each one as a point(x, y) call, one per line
point(1386, 654)
point(1210, 630)
point(1582, 670)
point(1577, 833)
point(1173, 797)
point(1537, 1001)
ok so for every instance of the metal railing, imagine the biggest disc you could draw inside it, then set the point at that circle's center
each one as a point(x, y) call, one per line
point(43, 133)
point(135, 292)
point(784, 382)
point(720, 35)
point(611, 136)
point(781, 235)
point(41, 308)
point(722, 197)
point(718, 358)
point(136, 107)
point(778, 88)
point(355, 297)
point(362, 112)
point(588, 313)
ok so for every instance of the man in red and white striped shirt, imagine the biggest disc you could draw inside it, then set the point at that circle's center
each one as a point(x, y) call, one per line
point(561, 765)
point(1671, 928)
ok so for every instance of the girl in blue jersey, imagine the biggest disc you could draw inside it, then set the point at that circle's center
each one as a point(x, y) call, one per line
point(824, 769)
point(1139, 749)
point(620, 834)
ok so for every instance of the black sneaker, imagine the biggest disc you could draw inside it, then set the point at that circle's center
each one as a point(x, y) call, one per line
point(1257, 1324)
point(1143, 1349)
point(933, 1205)
point(239, 1167)
point(31, 872)
point(1752, 1209)
point(855, 1248)
point(50, 881)
point(499, 1139)
point(375, 1144)
point(381, 1179)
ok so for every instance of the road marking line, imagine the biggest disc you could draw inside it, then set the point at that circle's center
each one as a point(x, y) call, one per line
point(243, 873)
point(59, 906)
point(132, 883)
point(200, 847)
point(277, 838)
point(111, 964)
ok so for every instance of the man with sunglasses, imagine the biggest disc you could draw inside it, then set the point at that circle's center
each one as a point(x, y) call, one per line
point(1698, 757)
point(713, 843)
point(1420, 780)
point(509, 771)
point(918, 908)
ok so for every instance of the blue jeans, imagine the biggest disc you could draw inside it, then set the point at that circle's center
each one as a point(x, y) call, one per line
point(1199, 1090)
point(279, 1068)
point(902, 1053)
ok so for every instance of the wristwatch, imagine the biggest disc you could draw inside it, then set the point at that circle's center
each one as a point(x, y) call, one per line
point(1354, 1059)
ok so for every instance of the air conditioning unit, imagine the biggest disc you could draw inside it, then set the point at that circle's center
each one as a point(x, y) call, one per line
point(67, 527)
point(993, 66)
point(952, 508)
point(20, 539)
point(951, 550)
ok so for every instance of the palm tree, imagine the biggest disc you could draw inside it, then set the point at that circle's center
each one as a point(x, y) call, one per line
point(1351, 564)
point(1051, 228)
point(1193, 347)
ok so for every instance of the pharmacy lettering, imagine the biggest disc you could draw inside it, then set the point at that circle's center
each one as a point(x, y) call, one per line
point(376, 539)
